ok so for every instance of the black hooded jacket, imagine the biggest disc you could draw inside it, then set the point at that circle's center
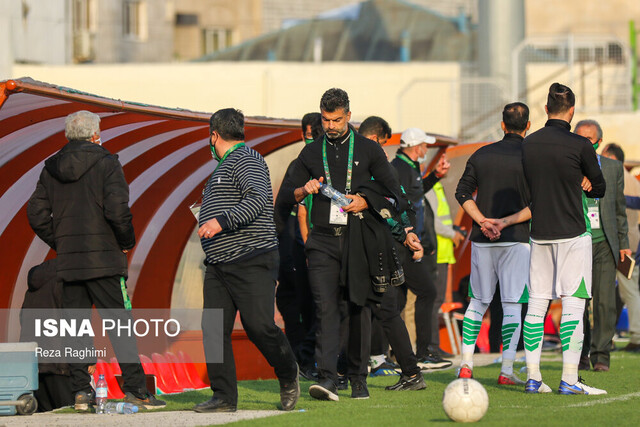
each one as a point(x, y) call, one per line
point(80, 209)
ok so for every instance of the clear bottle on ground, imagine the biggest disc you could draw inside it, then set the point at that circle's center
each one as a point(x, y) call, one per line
point(101, 395)
point(120, 408)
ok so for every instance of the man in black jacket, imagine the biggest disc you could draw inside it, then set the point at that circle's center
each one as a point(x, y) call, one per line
point(80, 209)
point(555, 164)
point(345, 160)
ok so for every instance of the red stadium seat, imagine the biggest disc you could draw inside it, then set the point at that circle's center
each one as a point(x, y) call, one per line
point(180, 371)
point(191, 370)
point(114, 391)
point(166, 375)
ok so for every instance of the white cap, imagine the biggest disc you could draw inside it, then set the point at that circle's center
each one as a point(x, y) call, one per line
point(415, 136)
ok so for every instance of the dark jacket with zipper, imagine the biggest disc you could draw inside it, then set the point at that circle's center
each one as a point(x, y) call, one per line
point(80, 208)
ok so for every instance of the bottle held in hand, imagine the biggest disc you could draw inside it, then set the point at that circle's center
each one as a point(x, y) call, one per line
point(339, 198)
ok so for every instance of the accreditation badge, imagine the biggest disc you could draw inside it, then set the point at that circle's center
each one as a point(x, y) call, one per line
point(594, 216)
point(337, 216)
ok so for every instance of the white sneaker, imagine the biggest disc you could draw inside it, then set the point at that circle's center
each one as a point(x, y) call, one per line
point(579, 388)
point(533, 386)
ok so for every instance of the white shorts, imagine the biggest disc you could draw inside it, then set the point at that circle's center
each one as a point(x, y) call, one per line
point(507, 264)
point(561, 269)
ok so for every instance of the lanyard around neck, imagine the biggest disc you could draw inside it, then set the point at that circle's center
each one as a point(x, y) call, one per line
point(406, 158)
point(229, 151)
point(349, 162)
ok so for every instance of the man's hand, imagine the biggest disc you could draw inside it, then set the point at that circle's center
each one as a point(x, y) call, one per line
point(209, 229)
point(357, 205)
point(124, 251)
point(311, 187)
point(624, 252)
point(490, 228)
point(442, 167)
point(586, 184)
point(418, 254)
point(457, 239)
point(413, 242)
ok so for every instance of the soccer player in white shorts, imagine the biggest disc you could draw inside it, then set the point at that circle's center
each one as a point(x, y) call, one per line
point(556, 163)
point(500, 248)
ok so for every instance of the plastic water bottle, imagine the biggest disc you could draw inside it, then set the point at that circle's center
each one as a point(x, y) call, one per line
point(335, 195)
point(101, 395)
point(120, 408)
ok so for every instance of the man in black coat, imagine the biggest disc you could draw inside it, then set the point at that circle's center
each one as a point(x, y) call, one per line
point(80, 209)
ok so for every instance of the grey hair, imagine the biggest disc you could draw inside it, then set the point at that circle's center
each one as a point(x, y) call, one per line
point(590, 123)
point(81, 125)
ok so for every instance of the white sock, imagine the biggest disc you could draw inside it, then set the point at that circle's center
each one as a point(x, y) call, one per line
point(376, 360)
point(470, 330)
point(511, 326)
point(533, 334)
point(571, 336)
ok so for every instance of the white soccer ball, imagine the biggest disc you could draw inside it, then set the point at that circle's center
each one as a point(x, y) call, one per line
point(465, 400)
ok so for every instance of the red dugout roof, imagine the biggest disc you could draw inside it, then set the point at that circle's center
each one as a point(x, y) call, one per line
point(166, 160)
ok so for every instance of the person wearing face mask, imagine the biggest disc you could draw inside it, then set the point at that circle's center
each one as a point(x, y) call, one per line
point(610, 244)
point(238, 237)
point(413, 152)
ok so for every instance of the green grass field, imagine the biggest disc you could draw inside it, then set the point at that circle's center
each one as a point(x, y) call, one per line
point(508, 405)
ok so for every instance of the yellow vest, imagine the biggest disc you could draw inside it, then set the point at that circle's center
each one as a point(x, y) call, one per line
point(445, 245)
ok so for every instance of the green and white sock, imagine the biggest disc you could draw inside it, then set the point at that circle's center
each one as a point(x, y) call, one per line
point(376, 360)
point(533, 334)
point(470, 330)
point(511, 326)
point(571, 336)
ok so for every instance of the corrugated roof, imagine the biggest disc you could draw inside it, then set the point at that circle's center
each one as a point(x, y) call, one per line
point(378, 34)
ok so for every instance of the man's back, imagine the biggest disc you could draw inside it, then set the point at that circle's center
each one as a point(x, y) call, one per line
point(496, 171)
point(555, 162)
point(80, 209)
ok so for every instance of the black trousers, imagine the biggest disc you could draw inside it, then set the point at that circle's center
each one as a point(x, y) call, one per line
point(419, 278)
point(325, 260)
point(395, 331)
point(247, 287)
point(105, 294)
point(295, 303)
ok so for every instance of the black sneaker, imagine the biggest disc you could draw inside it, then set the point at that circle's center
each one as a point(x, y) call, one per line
point(324, 390)
point(215, 405)
point(415, 382)
point(343, 384)
point(383, 370)
point(147, 401)
point(433, 361)
point(309, 374)
point(84, 401)
point(359, 389)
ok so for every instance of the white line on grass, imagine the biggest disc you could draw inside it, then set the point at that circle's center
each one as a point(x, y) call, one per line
point(606, 400)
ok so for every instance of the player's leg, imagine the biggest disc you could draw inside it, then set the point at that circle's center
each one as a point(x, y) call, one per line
point(574, 286)
point(482, 285)
point(542, 276)
point(513, 271)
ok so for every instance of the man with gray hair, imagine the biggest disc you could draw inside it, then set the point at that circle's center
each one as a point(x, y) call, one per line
point(610, 244)
point(80, 208)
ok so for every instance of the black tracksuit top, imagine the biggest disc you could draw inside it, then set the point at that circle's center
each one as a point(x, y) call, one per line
point(369, 161)
point(555, 161)
point(496, 171)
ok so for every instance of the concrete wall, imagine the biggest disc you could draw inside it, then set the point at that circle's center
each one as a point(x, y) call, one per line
point(415, 94)
point(40, 31)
